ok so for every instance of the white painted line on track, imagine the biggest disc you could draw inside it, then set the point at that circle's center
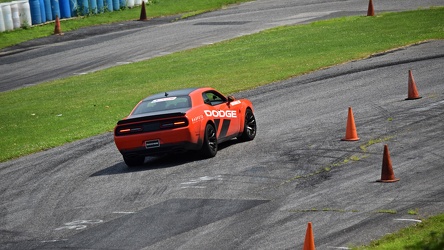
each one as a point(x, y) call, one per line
point(194, 187)
point(412, 220)
point(78, 224)
point(122, 63)
point(51, 241)
point(196, 183)
point(123, 212)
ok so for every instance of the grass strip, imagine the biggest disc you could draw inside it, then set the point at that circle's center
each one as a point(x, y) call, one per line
point(154, 8)
point(428, 234)
point(51, 114)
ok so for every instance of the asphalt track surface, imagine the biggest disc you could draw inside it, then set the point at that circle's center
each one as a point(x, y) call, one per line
point(254, 195)
point(93, 49)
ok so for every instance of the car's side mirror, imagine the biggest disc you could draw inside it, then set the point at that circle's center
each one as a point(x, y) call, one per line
point(230, 98)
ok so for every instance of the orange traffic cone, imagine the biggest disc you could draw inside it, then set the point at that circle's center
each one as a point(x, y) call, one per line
point(57, 30)
point(387, 174)
point(143, 13)
point(413, 92)
point(309, 243)
point(350, 131)
point(371, 10)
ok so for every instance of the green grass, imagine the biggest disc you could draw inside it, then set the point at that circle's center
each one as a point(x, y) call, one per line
point(48, 115)
point(155, 8)
point(427, 235)
point(387, 211)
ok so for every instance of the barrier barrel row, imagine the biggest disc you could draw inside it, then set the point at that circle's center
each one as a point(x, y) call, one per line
point(22, 13)
point(14, 15)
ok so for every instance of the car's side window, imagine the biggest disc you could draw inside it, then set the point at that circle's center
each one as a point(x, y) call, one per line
point(213, 98)
point(206, 99)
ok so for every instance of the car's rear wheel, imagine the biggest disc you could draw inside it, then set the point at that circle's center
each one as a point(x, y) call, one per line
point(209, 146)
point(250, 126)
point(133, 161)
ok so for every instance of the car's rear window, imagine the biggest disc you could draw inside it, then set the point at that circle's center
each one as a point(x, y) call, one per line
point(161, 104)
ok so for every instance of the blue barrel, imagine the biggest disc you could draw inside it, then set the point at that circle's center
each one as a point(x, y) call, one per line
point(100, 8)
point(73, 6)
point(122, 3)
point(65, 9)
point(55, 6)
point(42, 10)
point(34, 7)
point(93, 6)
point(116, 5)
point(83, 7)
point(109, 5)
point(48, 10)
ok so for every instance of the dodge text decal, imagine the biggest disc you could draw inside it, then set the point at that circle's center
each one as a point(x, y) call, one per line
point(221, 113)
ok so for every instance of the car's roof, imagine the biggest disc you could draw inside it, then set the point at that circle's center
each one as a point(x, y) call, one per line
point(179, 92)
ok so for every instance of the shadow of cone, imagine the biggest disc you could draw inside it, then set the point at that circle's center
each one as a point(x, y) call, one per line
point(143, 13)
point(350, 130)
point(387, 174)
point(371, 10)
point(57, 30)
point(309, 238)
point(412, 92)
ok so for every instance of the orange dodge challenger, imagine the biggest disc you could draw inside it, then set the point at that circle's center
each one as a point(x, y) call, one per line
point(180, 120)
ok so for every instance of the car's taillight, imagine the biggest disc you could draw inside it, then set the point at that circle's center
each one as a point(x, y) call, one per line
point(130, 130)
point(176, 123)
point(151, 126)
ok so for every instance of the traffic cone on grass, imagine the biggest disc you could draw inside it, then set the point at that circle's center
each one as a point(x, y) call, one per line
point(143, 13)
point(350, 131)
point(57, 30)
point(387, 174)
point(371, 10)
point(412, 92)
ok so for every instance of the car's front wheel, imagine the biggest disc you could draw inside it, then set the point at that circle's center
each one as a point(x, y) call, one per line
point(133, 161)
point(209, 146)
point(250, 127)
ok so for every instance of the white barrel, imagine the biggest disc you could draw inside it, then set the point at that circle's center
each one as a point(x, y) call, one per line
point(2, 23)
point(7, 16)
point(137, 2)
point(24, 13)
point(15, 15)
point(130, 3)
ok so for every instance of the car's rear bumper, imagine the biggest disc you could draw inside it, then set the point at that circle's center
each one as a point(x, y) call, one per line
point(162, 149)
point(158, 142)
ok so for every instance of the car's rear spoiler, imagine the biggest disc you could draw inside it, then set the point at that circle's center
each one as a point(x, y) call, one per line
point(150, 117)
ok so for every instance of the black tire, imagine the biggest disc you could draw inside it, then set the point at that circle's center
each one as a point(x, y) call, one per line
point(250, 127)
point(209, 146)
point(133, 161)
